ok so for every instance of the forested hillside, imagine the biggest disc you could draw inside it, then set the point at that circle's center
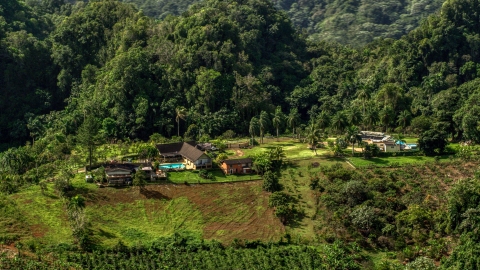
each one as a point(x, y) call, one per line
point(348, 22)
point(222, 63)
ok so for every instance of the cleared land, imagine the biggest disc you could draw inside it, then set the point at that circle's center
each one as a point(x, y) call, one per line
point(216, 211)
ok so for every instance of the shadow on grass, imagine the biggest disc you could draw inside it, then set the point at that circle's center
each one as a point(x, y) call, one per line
point(105, 234)
point(377, 160)
point(153, 194)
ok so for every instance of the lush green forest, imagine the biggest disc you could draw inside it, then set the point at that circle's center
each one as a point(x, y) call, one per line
point(77, 75)
point(347, 22)
point(225, 62)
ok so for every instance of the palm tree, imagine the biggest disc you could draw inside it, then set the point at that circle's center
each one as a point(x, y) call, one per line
point(386, 115)
point(278, 118)
point(371, 117)
point(354, 116)
point(339, 121)
point(323, 120)
point(181, 113)
point(352, 135)
point(314, 136)
point(293, 119)
point(403, 118)
point(253, 128)
point(277, 155)
point(263, 123)
point(363, 96)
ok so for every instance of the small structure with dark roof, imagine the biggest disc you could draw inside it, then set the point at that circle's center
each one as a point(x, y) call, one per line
point(193, 157)
point(170, 151)
point(119, 174)
point(237, 166)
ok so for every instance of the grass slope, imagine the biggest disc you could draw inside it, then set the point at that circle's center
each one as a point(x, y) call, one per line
point(132, 215)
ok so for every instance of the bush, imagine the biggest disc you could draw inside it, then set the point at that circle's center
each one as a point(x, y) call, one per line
point(205, 174)
point(363, 217)
point(270, 182)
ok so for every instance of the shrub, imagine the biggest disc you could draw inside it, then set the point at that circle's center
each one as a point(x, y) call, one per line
point(363, 217)
point(270, 182)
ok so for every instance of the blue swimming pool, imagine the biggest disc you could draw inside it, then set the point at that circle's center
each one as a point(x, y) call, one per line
point(170, 166)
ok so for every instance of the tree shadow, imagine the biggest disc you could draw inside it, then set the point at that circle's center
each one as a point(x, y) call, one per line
point(106, 234)
point(153, 194)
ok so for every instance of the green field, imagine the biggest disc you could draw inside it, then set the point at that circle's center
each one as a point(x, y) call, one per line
point(293, 150)
point(389, 161)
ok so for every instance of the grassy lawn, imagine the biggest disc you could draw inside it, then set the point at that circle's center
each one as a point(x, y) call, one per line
point(194, 177)
point(387, 161)
point(293, 150)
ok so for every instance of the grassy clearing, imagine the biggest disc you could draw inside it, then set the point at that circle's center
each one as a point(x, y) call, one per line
point(293, 150)
point(194, 178)
point(296, 180)
point(388, 161)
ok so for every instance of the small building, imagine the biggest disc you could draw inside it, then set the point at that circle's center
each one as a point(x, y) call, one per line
point(388, 146)
point(237, 166)
point(149, 172)
point(170, 151)
point(195, 158)
point(118, 176)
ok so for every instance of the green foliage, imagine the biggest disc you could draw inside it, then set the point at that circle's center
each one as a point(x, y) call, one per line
point(432, 142)
point(206, 175)
point(181, 251)
point(364, 217)
point(140, 178)
point(270, 182)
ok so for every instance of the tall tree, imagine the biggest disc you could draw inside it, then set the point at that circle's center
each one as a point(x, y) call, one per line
point(354, 116)
point(403, 119)
point(263, 122)
point(352, 136)
point(278, 118)
point(293, 119)
point(253, 127)
point(386, 115)
point(339, 122)
point(314, 135)
point(181, 113)
point(371, 117)
point(88, 135)
point(363, 96)
point(323, 120)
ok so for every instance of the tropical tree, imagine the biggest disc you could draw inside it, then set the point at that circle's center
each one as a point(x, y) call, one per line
point(362, 95)
point(263, 123)
point(354, 116)
point(277, 155)
point(278, 118)
point(262, 163)
point(386, 115)
point(313, 136)
point(352, 135)
point(339, 122)
point(253, 127)
point(139, 179)
point(88, 136)
point(293, 119)
point(403, 119)
point(371, 117)
point(180, 113)
point(323, 120)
